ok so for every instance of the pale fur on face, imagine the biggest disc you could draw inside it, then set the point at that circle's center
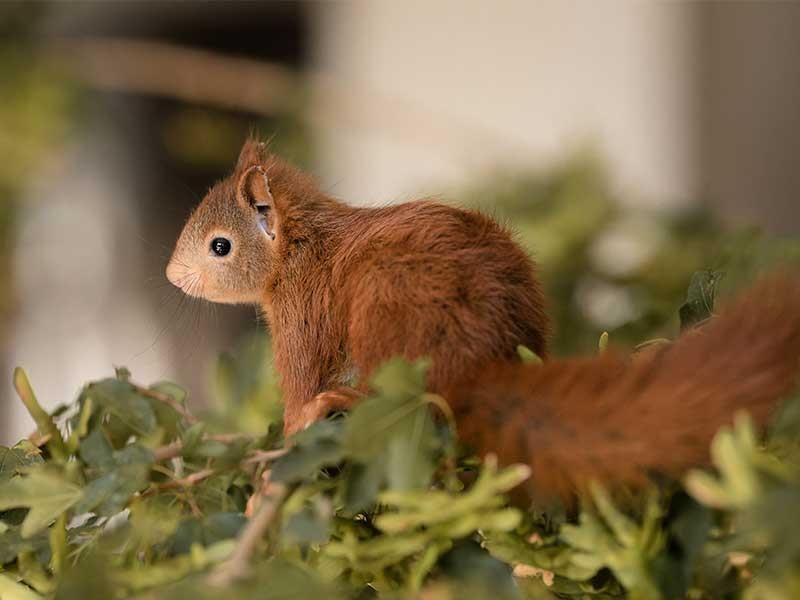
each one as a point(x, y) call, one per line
point(237, 278)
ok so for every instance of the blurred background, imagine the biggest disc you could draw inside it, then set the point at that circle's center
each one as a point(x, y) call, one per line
point(629, 144)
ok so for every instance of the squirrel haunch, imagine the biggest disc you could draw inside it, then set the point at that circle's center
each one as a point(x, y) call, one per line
point(344, 289)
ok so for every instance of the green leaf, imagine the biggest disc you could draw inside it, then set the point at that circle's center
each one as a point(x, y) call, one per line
point(399, 384)
point(34, 574)
point(119, 399)
point(784, 431)
point(689, 526)
point(123, 374)
point(528, 356)
point(280, 579)
point(124, 476)
point(110, 493)
point(425, 564)
point(12, 543)
point(362, 483)
point(477, 574)
point(745, 470)
point(80, 424)
point(552, 555)
point(482, 502)
point(176, 392)
point(699, 303)
point(96, 451)
point(45, 492)
point(306, 527)
point(152, 522)
point(313, 448)
point(399, 378)
point(11, 590)
point(192, 437)
point(14, 460)
point(89, 579)
point(171, 570)
point(225, 453)
point(390, 437)
point(206, 531)
point(611, 539)
point(410, 451)
point(166, 416)
point(602, 343)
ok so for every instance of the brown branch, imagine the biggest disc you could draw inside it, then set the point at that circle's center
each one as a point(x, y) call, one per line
point(168, 400)
point(263, 456)
point(38, 439)
point(187, 481)
point(174, 449)
point(227, 438)
point(237, 566)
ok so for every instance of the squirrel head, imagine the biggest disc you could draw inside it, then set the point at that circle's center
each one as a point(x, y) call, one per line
point(228, 247)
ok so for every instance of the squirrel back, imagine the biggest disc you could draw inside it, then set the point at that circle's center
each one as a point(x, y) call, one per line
point(615, 420)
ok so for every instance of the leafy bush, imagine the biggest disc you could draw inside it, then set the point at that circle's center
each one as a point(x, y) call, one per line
point(607, 263)
point(125, 493)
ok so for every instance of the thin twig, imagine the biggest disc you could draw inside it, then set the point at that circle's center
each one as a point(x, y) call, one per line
point(227, 438)
point(172, 450)
point(262, 456)
point(168, 400)
point(237, 565)
point(187, 481)
point(38, 439)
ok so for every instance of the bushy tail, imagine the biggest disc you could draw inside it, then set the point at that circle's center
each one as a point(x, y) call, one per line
point(616, 420)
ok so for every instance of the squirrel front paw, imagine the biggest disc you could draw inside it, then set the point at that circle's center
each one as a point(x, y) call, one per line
point(323, 404)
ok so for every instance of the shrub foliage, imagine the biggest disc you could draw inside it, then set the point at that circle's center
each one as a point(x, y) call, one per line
point(125, 493)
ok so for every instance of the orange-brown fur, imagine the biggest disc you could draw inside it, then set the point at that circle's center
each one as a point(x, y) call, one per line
point(344, 289)
point(614, 420)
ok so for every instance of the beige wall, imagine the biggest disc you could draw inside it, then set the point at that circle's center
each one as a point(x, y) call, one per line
point(688, 101)
point(514, 80)
point(750, 82)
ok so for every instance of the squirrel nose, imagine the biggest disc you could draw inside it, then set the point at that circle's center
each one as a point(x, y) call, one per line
point(174, 273)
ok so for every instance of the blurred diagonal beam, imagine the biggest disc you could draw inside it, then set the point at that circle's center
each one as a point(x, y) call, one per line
point(188, 74)
point(266, 88)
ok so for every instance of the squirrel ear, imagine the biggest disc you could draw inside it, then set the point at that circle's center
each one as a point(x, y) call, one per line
point(253, 192)
point(253, 189)
point(251, 153)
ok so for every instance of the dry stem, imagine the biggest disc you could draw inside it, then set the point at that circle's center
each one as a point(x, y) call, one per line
point(237, 566)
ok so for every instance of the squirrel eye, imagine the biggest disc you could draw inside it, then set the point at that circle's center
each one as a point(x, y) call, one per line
point(220, 246)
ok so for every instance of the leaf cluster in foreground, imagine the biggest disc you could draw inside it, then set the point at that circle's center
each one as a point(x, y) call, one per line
point(125, 493)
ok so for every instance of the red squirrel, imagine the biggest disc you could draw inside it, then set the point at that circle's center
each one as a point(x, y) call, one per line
point(344, 288)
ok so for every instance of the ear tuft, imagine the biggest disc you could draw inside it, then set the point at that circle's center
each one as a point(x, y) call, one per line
point(252, 152)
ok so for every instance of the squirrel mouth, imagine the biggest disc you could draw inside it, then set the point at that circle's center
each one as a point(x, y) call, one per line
point(191, 285)
point(189, 282)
